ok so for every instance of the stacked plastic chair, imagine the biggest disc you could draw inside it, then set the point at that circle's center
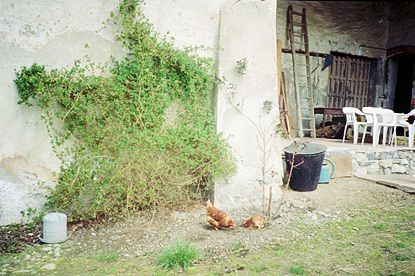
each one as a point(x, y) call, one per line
point(351, 120)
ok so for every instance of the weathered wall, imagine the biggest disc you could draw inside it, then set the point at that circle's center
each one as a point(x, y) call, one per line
point(54, 33)
point(402, 24)
point(191, 23)
point(334, 26)
point(401, 32)
point(247, 109)
point(341, 26)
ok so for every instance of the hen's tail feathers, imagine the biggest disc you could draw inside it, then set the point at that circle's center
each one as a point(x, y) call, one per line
point(208, 203)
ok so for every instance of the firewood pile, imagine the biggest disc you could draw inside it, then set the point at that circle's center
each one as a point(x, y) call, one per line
point(334, 131)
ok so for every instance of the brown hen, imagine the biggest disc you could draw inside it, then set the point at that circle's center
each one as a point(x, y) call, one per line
point(256, 221)
point(217, 218)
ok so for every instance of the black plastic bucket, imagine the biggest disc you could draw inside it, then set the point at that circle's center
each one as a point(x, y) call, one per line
point(307, 165)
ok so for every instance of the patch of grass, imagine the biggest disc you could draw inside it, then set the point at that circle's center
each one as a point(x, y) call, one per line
point(239, 249)
point(107, 257)
point(402, 257)
point(298, 269)
point(380, 226)
point(277, 248)
point(402, 245)
point(399, 274)
point(178, 255)
point(260, 268)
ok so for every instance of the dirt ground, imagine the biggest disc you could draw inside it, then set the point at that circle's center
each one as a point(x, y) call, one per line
point(145, 235)
point(309, 235)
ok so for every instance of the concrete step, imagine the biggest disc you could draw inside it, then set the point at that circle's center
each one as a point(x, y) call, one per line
point(404, 183)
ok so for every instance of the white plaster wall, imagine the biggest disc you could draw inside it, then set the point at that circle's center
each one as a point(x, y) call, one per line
point(54, 33)
point(190, 22)
point(248, 32)
point(58, 32)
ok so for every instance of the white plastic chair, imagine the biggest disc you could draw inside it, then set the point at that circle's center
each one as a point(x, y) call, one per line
point(374, 114)
point(387, 123)
point(407, 126)
point(351, 120)
point(400, 117)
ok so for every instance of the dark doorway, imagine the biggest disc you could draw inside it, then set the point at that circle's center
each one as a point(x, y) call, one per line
point(403, 90)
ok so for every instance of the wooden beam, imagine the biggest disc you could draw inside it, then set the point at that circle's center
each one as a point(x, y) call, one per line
point(314, 54)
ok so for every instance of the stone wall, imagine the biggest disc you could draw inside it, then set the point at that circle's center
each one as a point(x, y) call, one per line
point(385, 162)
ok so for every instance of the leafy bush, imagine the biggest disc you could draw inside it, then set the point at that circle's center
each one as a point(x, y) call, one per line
point(121, 150)
point(178, 255)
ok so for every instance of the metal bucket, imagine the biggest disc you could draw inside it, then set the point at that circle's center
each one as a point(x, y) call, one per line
point(54, 228)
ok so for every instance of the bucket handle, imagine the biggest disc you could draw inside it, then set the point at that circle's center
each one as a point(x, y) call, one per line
point(332, 167)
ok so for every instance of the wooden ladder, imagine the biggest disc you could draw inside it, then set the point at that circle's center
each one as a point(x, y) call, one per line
point(304, 96)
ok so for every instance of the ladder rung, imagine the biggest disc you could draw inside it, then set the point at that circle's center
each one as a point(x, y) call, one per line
point(307, 119)
point(297, 13)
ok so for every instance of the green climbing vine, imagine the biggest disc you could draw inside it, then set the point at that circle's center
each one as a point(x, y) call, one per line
point(138, 134)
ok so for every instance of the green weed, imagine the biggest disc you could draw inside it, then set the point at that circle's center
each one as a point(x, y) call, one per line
point(402, 245)
point(380, 226)
point(178, 255)
point(298, 269)
point(402, 257)
point(107, 257)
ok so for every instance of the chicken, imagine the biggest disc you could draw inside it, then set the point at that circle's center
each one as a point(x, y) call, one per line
point(217, 218)
point(256, 221)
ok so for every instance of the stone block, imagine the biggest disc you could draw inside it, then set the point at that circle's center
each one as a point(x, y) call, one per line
point(355, 164)
point(386, 163)
point(374, 169)
point(368, 163)
point(404, 162)
point(398, 169)
point(360, 171)
point(370, 155)
point(360, 157)
point(387, 155)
